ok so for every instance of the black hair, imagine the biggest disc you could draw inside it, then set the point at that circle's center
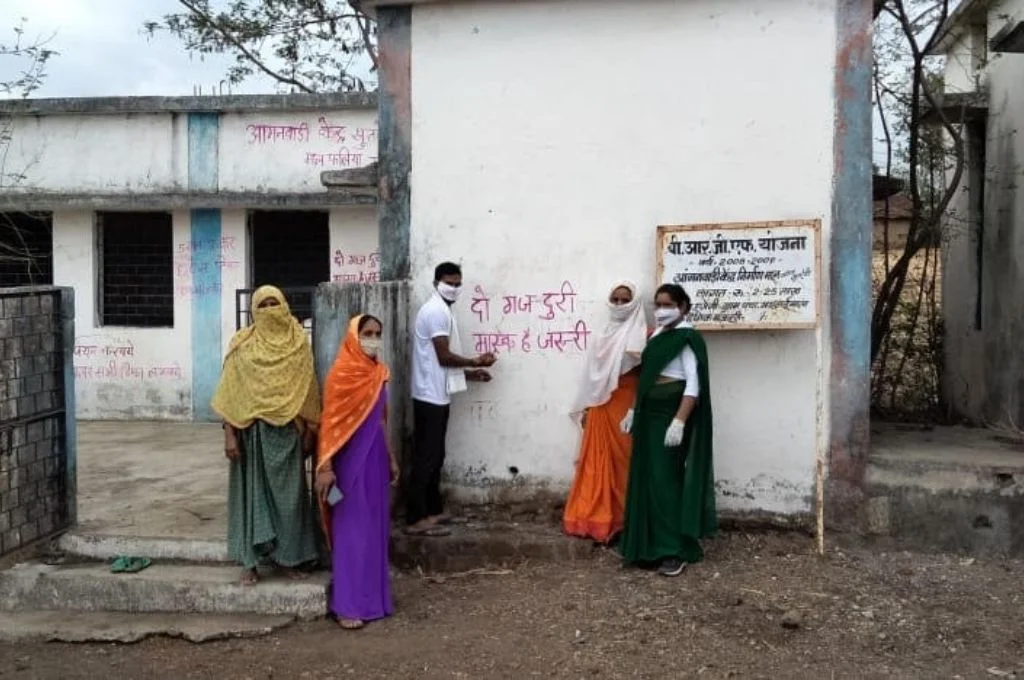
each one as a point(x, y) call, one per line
point(677, 294)
point(367, 318)
point(447, 269)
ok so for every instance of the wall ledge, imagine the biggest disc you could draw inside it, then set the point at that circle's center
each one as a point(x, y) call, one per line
point(53, 200)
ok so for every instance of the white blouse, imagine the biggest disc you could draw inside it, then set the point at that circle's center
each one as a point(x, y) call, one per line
point(683, 367)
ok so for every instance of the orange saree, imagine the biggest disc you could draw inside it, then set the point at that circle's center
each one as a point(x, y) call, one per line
point(598, 495)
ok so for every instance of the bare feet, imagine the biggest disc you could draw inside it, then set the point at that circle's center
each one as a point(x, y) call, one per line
point(443, 518)
point(351, 624)
point(250, 577)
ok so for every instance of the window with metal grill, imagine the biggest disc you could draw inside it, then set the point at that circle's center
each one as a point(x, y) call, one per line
point(26, 249)
point(136, 269)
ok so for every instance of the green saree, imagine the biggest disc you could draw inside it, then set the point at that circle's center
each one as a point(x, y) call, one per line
point(670, 500)
point(270, 517)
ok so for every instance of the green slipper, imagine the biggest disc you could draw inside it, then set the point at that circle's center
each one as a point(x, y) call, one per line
point(130, 565)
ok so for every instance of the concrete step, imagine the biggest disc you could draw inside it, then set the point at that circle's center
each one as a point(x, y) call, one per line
point(171, 588)
point(85, 546)
point(471, 545)
point(121, 627)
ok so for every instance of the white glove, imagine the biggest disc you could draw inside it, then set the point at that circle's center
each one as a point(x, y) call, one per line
point(674, 435)
point(627, 423)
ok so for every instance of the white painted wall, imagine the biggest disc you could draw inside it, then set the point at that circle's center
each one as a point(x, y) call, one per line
point(268, 151)
point(355, 257)
point(148, 153)
point(551, 139)
point(163, 391)
point(287, 151)
point(121, 373)
point(235, 240)
point(102, 153)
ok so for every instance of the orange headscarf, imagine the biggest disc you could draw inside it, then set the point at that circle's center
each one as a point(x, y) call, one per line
point(351, 391)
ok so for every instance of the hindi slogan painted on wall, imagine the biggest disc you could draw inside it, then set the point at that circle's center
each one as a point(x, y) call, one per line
point(355, 267)
point(528, 322)
point(745, 276)
point(103, 358)
point(323, 142)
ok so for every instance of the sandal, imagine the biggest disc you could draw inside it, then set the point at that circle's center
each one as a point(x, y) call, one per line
point(250, 577)
point(351, 624)
point(130, 565)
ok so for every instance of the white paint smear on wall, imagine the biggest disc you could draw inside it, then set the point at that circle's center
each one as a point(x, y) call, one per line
point(549, 143)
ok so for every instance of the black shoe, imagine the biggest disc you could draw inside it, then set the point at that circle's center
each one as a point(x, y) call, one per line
point(672, 567)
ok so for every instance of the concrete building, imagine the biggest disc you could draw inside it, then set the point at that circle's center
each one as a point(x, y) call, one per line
point(983, 249)
point(157, 210)
point(541, 144)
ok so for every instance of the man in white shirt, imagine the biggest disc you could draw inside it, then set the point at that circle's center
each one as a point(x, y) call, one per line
point(438, 371)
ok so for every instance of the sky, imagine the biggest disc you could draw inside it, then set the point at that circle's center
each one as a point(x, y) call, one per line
point(105, 52)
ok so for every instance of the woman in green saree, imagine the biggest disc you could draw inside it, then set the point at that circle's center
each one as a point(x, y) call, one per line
point(269, 400)
point(670, 500)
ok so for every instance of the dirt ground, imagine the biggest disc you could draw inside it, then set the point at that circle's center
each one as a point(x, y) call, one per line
point(761, 606)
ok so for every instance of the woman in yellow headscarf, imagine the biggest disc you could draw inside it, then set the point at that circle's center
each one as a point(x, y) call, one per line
point(270, 402)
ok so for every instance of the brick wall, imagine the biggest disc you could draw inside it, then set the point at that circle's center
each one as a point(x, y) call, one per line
point(36, 432)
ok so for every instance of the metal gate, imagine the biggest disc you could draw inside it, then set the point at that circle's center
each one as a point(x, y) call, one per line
point(37, 467)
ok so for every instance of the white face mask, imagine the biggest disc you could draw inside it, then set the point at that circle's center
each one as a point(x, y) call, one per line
point(449, 292)
point(370, 346)
point(665, 316)
point(619, 312)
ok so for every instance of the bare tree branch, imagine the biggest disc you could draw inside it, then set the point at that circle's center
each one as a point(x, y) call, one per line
point(304, 45)
point(906, 88)
point(30, 57)
point(227, 36)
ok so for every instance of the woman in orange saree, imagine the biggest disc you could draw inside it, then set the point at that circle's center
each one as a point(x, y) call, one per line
point(597, 498)
point(355, 467)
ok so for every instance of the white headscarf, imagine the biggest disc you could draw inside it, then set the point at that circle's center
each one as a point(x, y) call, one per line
point(614, 352)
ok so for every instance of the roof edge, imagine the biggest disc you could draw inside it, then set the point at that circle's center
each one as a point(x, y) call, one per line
point(198, 104)
point(370, 6)
point(952, 29)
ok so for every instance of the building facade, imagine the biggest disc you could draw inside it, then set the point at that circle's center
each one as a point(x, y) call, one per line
point(541, 144)
point(983, 240)
point(158, 210)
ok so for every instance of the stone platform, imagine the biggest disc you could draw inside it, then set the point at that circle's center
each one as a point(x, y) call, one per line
point(947, 489)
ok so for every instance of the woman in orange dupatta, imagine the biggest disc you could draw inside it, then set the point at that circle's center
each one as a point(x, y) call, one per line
point(597, 499)
point(353, 458)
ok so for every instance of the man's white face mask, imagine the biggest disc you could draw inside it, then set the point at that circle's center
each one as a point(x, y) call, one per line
point(448, 291)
